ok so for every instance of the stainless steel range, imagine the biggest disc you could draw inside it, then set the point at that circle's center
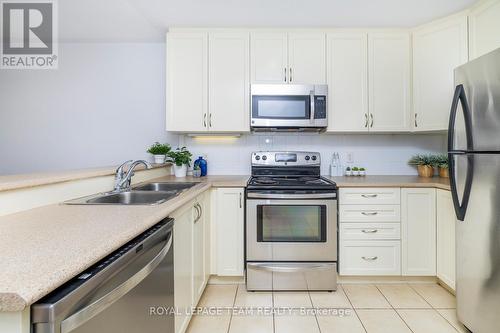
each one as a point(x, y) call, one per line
point(291, 224)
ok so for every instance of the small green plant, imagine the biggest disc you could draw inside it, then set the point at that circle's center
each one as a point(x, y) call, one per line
point(180, 156)
point(424, 159)
point(196, 167)
point(355, 169)
point(362, 169)
point(441, 161)
point(159, 149)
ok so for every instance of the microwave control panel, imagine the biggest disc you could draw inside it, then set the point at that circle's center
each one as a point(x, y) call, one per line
point(319, 107)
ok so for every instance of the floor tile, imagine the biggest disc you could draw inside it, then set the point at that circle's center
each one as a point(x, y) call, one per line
point(436, 295)
point(252, 299)
point(365, 296)
point(382, 321)
point(425, 321)
point(451, 316)
point(292, 299)
point(403, 296)
point(209, 324)
point(335, 299)
point(218, 295)
point(349, 323)
point(251, 324)
point(296, 322)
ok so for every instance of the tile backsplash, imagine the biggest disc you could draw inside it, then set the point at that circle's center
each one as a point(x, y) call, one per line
point(379, 154)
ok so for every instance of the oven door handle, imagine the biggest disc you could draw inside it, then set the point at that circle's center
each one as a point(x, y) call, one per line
point(287, 268)
point(292, 196)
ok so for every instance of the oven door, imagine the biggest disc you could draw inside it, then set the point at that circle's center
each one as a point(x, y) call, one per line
point(291, 230)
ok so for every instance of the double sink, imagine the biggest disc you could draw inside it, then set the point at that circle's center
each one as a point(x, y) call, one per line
point(145, 194)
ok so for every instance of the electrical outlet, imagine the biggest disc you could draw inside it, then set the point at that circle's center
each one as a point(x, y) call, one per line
point(349, 157)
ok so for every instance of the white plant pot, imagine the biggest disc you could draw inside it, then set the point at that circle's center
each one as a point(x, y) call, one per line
point(159, 159)
point(180, 171)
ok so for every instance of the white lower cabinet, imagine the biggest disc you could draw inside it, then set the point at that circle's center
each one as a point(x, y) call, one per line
point(370, 257)
point(370, 231)
point(418, 231)
point(190, 260)
point(229, 229)
point(446, 220)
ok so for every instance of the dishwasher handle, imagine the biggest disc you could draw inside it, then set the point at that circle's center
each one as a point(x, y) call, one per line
point(82, 316)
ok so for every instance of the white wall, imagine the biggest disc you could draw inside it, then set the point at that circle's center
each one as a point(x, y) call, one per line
point(105, 104)
point(380, 154)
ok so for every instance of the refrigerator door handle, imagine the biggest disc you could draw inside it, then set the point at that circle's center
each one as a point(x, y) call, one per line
point(460, 206)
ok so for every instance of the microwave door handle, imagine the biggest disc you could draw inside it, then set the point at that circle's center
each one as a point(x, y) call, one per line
point(82, 316)
point(311, 97)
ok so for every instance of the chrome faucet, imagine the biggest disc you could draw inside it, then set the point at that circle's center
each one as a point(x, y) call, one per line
point(122, 180)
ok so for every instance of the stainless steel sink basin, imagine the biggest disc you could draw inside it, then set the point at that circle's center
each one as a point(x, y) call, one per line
point(145, 194)
point(133, 198)
point(165, 186)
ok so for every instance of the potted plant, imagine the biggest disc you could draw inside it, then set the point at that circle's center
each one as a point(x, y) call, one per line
point(362, 171)
point(442, 165)
point(159, 152)
point(196, 171)
point(348, 171)
point(182, 159)
point(425, 164)
point(355, 171)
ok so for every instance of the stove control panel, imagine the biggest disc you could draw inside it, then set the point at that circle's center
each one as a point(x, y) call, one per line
point(286, 158)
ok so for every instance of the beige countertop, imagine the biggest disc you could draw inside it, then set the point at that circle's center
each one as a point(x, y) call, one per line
point(392, 181)
point(17, 181)
point(42, 248)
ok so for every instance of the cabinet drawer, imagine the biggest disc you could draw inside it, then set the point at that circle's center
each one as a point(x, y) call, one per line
point(370, 258)
point(370, 231)
point(370, 196)
point(369, 213)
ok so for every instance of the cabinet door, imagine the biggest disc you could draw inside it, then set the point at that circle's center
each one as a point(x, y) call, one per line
point(187, 79)
point(389, 81)
point(306, 58)
point(418, 231)
point(183, 265)
point(268, 57)
point(229, 231)
point(347, 78)
point(484, 28)
point(229, 82)
point(445, 238)
point(198, 250)
point(438, 48)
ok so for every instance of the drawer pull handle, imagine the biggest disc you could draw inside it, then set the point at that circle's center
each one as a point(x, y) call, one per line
point(369, 231)
point(369, 195)
point(370, 258)
point(369, 213)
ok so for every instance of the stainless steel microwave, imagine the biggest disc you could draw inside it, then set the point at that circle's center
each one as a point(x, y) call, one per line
point(289, 107)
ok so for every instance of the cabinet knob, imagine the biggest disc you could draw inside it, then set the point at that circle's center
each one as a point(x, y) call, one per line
point(369, 213)
point(370, 258)
point(416, 124)
point(373, 231)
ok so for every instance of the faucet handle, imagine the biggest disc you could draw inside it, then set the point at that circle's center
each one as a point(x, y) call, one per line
point(119, 170)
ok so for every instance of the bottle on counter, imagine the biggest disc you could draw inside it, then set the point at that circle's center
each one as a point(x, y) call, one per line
point(202, 164)
point(334, 167)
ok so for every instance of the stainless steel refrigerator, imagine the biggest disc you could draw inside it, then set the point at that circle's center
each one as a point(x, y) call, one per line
point(474, 157)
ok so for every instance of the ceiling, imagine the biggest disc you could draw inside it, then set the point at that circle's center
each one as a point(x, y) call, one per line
point(148, 20)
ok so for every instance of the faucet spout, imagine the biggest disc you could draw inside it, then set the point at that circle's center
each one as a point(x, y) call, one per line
point(123, 181)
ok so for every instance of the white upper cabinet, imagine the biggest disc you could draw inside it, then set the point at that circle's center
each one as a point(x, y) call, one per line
point(306, 58)
point(269, 57)
point(438, 48)
point(280, 57)
point(484, 28)
point(389, 81)
point(229, 82)
point(347, 78)
point(187, 77)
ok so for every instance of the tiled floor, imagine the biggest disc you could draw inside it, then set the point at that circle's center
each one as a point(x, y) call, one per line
point(353, 308)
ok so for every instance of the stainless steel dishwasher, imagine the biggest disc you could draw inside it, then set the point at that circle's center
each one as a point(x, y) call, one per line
point(131, 290)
